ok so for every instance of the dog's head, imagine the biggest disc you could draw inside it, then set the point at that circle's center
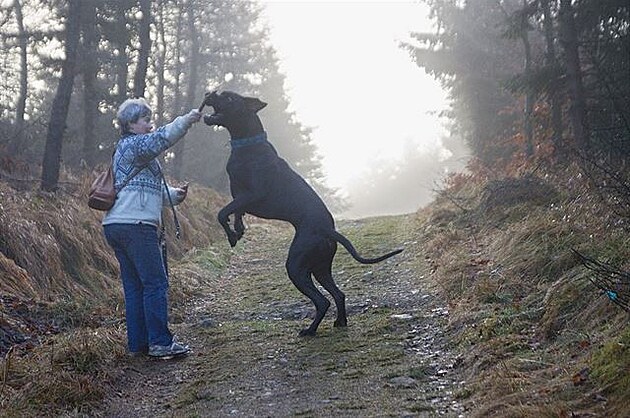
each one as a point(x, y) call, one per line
point(230, 108)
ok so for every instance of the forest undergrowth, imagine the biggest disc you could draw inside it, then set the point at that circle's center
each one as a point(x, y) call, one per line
point(489, 280)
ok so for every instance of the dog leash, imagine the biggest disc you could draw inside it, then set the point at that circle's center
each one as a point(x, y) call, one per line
point(170, 201)
point(163, 229)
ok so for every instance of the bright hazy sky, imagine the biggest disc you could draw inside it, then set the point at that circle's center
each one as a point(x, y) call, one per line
point(348, 79)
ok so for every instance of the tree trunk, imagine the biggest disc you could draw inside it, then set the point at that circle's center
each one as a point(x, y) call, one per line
point(529, 95)
point(54, 137)
point(577, 110)
point(161, 63)
point(15, 144)
point(177, 101)
point(22, 42)
point(123, 60)
point(552, 62)
point(90, 94)
point(179, 149)
point(144, 33)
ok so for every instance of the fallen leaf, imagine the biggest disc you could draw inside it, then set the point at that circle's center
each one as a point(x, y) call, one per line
point(580, 377)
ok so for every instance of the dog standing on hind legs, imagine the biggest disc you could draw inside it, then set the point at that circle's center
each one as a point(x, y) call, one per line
point(262, 184)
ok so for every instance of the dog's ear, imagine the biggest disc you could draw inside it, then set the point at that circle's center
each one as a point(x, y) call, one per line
point(254, 104)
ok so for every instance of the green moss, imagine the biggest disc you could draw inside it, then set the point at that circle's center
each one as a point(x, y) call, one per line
point(421, 407)
point(211, 258)
point(611, 365)
point(351, 406)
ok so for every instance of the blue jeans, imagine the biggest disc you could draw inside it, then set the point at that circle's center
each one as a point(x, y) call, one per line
point(145, 284)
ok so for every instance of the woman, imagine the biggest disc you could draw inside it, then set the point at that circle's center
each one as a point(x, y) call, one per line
point(131, 225)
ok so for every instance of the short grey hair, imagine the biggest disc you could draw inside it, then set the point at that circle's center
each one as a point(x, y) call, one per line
point(130, 112)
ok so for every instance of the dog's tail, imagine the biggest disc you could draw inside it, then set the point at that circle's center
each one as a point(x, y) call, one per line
point(353, 252)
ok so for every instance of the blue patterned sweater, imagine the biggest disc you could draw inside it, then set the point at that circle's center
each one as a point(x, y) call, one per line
point(142, 199)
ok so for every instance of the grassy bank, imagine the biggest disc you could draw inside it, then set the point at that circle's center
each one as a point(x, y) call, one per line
point(61, 306)
point(537, 337)
point(487, 312)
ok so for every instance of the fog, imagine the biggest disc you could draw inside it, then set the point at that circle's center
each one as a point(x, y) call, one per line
point(373, 111)
point(398, 186)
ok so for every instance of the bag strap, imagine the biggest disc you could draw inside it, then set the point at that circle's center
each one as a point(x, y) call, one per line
point(170, 200)
point(133, 173)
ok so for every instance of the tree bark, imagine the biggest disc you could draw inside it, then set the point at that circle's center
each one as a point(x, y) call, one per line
point(90, 94)
point(161, 63)
point(14, 144)
point(123, 59)
point(22, 42)
point(577, 110)
point(144, 34)
point(54, 137)
point(552, 62)
point(177, 101)
point(529, 95)
point(179, 149)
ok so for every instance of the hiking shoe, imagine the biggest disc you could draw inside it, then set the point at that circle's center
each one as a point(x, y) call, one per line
point(169, 351)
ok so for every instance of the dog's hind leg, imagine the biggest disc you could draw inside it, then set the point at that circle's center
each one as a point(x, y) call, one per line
point(239, 226)
point(224, 220)
point(301, 278)
point(325, 278)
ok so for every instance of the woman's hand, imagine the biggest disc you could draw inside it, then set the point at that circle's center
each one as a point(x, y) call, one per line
point(194, 116)
point(182, 192)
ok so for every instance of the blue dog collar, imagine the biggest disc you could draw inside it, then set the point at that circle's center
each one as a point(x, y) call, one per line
point(245, 142)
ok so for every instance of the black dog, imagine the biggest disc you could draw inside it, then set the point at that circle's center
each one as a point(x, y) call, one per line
point(264, 185)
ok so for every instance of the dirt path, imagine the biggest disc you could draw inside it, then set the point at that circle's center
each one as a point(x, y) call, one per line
point(392, 360)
